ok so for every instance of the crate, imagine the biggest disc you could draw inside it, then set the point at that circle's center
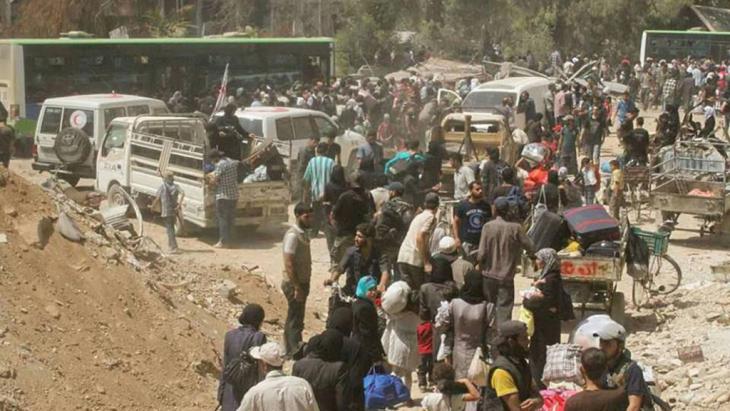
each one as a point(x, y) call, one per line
point(655, 241)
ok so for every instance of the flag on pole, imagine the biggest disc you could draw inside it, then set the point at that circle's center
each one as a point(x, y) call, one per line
point(222, 93)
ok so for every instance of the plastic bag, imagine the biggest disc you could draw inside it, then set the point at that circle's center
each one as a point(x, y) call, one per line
point(562, 363)
point(478, 369)
point(528, 318)
point(637, 257)
point(444, 350)
point(395, 298)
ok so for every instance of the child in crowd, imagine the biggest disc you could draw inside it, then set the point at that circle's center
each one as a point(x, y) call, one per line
point(452, 395)
point(425, 351)
point(589, 180)
point(617, 190)
point(169, 198)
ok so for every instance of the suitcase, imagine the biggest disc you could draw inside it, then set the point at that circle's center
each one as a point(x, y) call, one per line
point(549, 231)
point(591, 224)
point(605, 249)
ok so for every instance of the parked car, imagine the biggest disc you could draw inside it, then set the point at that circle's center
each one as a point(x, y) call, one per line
point(487, 97)
point(290, 128)
point(70, 129)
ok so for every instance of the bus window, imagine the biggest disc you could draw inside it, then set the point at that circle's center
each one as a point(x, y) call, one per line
point(81, 119)
point(133, 111)
point(160, 110)
point(112, 113)
point(303, 128)
point(51, 120)
point(284, 131)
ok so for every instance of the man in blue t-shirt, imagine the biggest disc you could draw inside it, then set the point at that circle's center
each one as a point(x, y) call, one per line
point(470, 215)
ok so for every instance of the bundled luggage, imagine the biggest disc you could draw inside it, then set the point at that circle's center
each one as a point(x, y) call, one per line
point(592, 224)
point(536, 152)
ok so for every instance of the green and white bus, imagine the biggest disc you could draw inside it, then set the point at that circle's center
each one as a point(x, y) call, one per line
point(667, 45)
point(32, 70)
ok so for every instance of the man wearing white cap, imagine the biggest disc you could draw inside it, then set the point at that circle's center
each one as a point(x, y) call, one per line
point(277, 391)
point(459, 266)
point(610, 337)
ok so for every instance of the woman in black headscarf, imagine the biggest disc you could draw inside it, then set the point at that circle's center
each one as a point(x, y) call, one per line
point(545, 307)
point(472, 322)
point(352, 354)
point(441, 287)
point(236, 341)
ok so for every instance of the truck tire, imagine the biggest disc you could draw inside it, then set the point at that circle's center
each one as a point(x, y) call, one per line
point(72, 146)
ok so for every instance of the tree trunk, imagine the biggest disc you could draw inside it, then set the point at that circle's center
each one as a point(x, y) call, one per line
point(199, 16)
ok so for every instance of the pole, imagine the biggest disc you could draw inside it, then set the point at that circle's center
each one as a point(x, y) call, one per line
point(199, 16)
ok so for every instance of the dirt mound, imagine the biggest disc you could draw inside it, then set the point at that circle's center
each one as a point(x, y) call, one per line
point(81, 330)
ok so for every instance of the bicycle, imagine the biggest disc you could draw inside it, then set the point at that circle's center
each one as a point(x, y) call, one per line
point(664, 274)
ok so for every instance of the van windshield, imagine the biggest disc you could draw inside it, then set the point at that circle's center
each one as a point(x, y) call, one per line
point(486, 100)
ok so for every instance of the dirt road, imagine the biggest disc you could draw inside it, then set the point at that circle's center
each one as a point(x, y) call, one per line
point(262, 250)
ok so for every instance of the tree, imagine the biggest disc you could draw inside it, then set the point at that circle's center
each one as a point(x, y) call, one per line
point(368, 28)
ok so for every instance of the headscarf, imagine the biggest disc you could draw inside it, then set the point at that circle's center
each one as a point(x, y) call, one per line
point(550, 257)
point(365, 284)
point(326, 346)
point(341, 320)
point(441, 271)
point(253, 315)
point(472, 291)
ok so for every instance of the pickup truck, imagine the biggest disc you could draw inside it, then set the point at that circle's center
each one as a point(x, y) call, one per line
point(135, 151)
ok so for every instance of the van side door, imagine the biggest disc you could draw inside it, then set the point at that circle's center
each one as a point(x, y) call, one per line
point(49, 124)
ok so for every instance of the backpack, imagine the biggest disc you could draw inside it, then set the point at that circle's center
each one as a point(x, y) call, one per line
point(500, 166)
point(518, 206)
point(383, 390)
point(393, 222)
point(242, 370)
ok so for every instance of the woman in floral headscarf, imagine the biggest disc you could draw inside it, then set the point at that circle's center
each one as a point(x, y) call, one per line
point(545, 307)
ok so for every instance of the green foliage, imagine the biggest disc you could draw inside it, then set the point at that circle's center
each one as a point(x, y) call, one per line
point(588, 27)
point(169, 26)
point(369, 29)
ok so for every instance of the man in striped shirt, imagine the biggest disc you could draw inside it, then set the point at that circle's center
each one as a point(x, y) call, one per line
point(316, 177)
point(226, 195)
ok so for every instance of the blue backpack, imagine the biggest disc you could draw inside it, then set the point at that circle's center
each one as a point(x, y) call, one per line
point(383, 390)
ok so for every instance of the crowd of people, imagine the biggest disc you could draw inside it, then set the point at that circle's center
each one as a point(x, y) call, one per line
point(430, 284)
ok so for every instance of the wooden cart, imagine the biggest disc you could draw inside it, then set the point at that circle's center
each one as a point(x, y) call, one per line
point(592, 281)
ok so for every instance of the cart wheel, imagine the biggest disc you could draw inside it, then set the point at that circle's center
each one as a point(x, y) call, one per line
point(618, 308)
point(666, 275)
point(639, 294)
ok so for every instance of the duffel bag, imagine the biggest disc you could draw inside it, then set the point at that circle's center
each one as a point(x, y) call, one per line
point(605, 249)
point(383, 390)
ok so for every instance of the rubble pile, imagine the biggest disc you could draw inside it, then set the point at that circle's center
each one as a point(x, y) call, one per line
point(685, 340)
point(93, 316)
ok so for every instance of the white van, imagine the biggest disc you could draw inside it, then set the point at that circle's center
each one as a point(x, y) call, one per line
point(70, 129)
point(136, 151)
point(487, 97)
point(290, 128)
